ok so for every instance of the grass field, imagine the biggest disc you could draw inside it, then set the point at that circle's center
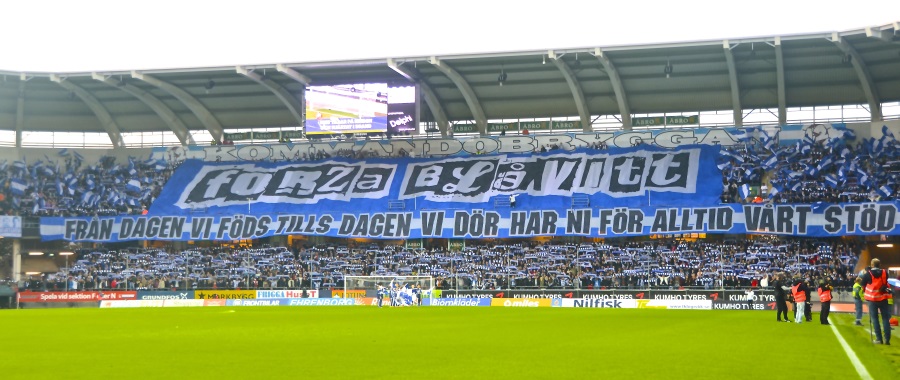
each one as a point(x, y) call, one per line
point(326, 113)
point(429, 343)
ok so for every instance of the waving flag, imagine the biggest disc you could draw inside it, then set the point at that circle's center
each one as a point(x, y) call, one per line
point(131, 170)
point(885, 191)
point(745, 191)
point(133, 202)
point(886, 132)
point(736, 156)
point(17, 186)
point(825, 163)
point(771, 162)
point(133, 186)
point(78, 158)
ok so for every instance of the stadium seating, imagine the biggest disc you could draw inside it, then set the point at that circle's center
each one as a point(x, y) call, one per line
point(832, 171)
point(643, 265)
point(836, 170)
point(67, 186)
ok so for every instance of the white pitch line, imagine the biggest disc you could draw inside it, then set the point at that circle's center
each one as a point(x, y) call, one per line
point(860, 368)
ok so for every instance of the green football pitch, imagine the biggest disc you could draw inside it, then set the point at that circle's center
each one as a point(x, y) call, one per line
point(430, 343)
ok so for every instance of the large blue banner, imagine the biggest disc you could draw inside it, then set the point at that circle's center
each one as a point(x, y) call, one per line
point(795, 219)
point(632, 177)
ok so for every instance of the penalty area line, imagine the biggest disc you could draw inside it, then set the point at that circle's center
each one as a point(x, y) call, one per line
point(860, 368)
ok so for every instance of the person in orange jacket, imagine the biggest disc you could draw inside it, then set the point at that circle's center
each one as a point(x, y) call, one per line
point(799, 291)
point(878, 294)
point(825, 299)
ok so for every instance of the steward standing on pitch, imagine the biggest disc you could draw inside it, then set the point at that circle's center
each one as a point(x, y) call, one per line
point(799, 291)
point(877, 294)
point(825, 298)
point(780, 301)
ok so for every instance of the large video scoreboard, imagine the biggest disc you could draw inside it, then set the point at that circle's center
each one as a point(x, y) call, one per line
point(360, 108)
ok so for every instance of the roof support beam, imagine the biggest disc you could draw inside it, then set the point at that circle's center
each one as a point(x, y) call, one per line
point(575, 87)
point(293, 74)
point(106, 120)
point(735, 87)
point(618, 88)
point(431, 99)
point(163, 111)
point(876, 32)
point(294, 105)
point(20, 110)
point(198, 109)
point(467, 92)
point(862, 71)
point(779, 75)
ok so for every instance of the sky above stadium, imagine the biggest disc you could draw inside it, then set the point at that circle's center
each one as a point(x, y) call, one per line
point(98, 35)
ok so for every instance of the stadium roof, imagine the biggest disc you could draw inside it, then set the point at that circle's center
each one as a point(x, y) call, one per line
point(777, 72)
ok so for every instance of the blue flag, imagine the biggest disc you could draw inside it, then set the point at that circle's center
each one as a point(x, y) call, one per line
point(745, 191)
point(133, 186)
point(17, 186)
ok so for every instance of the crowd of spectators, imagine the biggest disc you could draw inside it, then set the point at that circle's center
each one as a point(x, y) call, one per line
point(65, 186)
point(813, 169)
point(757, 169)
point(525, 265)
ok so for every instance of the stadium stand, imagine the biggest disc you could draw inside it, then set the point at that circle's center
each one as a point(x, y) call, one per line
point(867, 170)
point(834, 170)
point(638, 265)
point(67, 186)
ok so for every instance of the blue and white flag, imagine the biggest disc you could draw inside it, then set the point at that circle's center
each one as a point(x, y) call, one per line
point(742, 134)
point(745, 191)
point(17, 186)
point(885, 191)
point(133, 186)
point(771, 162)
point(131, 170)
point(78, 158)
point(886, 132)
point(825, 163)
point(63, 152)
point(831, 181)
point(736, 156)
point(87, 196)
